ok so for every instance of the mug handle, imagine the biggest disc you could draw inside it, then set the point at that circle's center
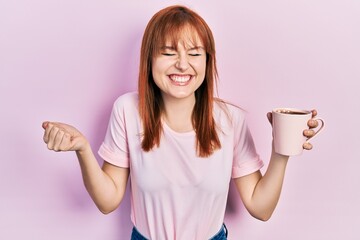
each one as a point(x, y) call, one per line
point(318, 129)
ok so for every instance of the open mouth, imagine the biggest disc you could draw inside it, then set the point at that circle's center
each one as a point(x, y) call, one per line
point(180, 80)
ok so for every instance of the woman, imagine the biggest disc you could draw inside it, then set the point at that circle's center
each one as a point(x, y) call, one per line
point(180, 145)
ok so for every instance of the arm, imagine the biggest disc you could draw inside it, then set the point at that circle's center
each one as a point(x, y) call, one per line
point(105, 185)
point(260, 194)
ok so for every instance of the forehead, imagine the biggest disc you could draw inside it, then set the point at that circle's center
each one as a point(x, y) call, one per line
point(186, 36)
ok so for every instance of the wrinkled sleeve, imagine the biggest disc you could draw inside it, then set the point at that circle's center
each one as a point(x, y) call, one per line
point(246, 160)
point(114, 148)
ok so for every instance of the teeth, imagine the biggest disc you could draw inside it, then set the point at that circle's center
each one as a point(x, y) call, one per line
point(180, 79)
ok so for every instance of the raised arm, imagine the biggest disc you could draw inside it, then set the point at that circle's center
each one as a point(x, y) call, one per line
point(105, 185)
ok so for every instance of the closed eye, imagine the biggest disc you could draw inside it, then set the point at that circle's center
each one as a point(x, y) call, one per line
point(168, 54)
point(195, 54)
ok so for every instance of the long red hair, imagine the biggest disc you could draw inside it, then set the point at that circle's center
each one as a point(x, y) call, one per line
point(166, 24)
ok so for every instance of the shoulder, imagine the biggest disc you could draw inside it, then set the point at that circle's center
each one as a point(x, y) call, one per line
point(127, 101)
point(126, 106)
point(230, 111)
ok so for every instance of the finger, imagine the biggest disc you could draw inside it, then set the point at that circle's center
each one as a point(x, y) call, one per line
point(309, 133)
point(307, 146)
point(312, 123)
point(314, 112)
point(58, 140)
point(269, 117)
point(45, 124)
point(48, 129)
point(66, 142)
point(52, 137)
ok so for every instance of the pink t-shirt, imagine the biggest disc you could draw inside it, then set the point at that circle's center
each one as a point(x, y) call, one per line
point(175, 194)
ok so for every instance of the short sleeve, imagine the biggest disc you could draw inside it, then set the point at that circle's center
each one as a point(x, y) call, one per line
point(246, 160)
point(114, 148)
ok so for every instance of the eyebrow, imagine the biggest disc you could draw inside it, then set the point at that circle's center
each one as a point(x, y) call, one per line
point(197, 48)
point(167, 48)
point(172, 48)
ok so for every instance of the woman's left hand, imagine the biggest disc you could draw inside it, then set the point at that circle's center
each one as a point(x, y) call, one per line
point(310, 132)
point(307, 132)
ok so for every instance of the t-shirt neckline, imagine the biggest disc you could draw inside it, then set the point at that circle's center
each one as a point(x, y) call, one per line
point(180, 134)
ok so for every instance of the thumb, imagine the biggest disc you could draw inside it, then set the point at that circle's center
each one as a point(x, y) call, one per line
point(45, 124)
point(269, 117)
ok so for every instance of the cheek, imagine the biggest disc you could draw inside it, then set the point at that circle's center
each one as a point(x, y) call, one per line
point(156, 69)
point(200, 67)
point(198, 63)
point(160, 65)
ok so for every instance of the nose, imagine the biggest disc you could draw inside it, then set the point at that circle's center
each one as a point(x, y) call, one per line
point(182, 62)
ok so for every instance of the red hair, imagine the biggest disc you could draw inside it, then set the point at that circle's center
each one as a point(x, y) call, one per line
point(166, 24)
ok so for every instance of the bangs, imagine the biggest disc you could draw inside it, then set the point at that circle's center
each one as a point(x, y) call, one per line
point(186, 35)
point(180, 26)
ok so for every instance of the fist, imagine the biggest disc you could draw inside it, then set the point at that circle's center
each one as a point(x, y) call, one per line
point(63, 137)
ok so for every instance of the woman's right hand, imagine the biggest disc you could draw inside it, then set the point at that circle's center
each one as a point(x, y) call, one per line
point(63, 137)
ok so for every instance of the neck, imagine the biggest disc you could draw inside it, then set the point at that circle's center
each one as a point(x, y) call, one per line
point(178, 113)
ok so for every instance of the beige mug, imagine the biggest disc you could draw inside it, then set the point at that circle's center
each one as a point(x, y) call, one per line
point(288, 127)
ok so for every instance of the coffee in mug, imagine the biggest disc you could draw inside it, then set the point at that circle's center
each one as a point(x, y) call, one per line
point(288, 127)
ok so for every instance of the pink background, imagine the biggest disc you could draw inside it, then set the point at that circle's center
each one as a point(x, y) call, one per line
point(69, 60)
